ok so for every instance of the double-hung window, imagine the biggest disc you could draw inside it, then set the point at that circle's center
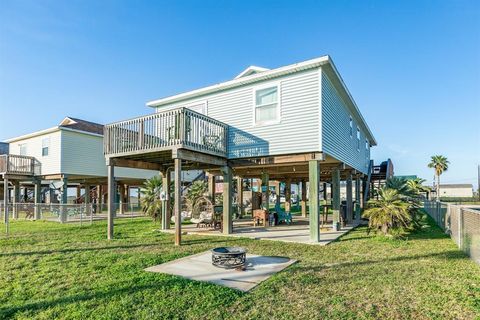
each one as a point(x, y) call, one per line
point(358, 138)
point(267, 109)
point(351, 127)
point(45, 146)
point(23, 149)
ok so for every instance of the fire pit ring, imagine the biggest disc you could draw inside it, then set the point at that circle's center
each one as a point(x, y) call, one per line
point(229, 257)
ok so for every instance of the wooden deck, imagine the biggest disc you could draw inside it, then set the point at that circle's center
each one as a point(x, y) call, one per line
point(180, 128)
point(17, 165)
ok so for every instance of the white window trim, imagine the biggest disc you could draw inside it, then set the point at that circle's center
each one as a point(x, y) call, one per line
point(359, 138)
point(279, 103)
point(48, 146)
point(20, 148)
point(350, 123)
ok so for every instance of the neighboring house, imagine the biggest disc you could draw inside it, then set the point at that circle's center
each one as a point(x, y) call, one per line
point(294, 124)
point(69, 154)
point(3, 148)
point(456, 191)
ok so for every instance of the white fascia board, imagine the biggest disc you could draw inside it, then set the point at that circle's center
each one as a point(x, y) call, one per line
point(48, 131)
point(309, 64)
point(33, 134)
point(373, 142)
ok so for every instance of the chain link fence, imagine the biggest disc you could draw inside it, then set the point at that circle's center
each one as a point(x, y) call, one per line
point(63, 213)
point(461, 222)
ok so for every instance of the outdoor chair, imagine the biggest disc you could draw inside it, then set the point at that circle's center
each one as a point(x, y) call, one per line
point(282, 216)
point(202, 212)
point(186, 211)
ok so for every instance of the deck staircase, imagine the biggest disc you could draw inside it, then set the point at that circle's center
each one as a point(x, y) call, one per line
point(93, 195)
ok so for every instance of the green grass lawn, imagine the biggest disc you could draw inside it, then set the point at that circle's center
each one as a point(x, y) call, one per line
point(53, 271)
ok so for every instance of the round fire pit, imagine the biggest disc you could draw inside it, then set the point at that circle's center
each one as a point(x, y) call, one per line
point(229, 257)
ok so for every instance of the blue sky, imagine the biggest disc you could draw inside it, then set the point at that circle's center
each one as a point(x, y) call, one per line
point(413, 67)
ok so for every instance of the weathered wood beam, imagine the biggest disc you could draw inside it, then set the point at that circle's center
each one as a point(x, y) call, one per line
point(357, 200)
point(240, 195)
point(227, 200)
point(193, 156)
point(111, 200)
point(304, 198)
point(178, 201)
point(166, 210)
point(137, 164)
point(288, 195)
point(314, 216)
point(275, 160)
point(336, 199)
point(349, 213)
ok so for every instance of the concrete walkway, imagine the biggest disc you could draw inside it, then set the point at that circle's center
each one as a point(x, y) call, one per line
point(297, 232)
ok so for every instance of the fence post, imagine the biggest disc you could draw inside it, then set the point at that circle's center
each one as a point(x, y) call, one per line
point(460, 229)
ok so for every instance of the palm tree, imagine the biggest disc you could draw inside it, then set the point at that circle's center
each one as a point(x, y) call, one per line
point(151, 203)
point(416, 185)
point(440, 164)
point(196, 190)
point(389, 211)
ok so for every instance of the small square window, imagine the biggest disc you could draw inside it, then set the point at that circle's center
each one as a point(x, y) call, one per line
point(266, 105)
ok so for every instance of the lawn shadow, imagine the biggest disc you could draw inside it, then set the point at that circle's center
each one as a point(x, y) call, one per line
point(70, 250)
point(165, 284)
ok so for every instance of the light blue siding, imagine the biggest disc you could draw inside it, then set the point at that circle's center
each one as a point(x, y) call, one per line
point(336, 139)
point(297, 132)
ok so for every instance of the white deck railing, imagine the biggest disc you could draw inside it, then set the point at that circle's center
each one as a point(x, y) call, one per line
point(19, 165)
point(175, 128)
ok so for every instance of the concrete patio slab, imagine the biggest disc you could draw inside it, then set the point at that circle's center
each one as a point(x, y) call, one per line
point(297, 232)
point(199, 267)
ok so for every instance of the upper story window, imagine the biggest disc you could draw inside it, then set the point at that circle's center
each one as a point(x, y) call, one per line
point(45, 146)
point(358, 138)
point(266, 105)
point(351, 127)
point(23, 149)
point(367, 145)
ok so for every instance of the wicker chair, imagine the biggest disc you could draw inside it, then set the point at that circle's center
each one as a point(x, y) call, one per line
point(202, 213)
point(186, 211)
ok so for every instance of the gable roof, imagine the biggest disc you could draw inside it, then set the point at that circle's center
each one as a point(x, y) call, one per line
point(250, 70)
point(243, 79)
point(68, 123)
point(457, 186)
point(81, 125)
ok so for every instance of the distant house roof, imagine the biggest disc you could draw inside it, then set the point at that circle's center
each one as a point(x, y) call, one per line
point(457, 186)
point(81, 125)
point(410, 177)
point(255, 74)
point(69, 123)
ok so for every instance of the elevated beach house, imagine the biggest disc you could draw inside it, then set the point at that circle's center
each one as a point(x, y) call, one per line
point(41, 166)
point(295, 124)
